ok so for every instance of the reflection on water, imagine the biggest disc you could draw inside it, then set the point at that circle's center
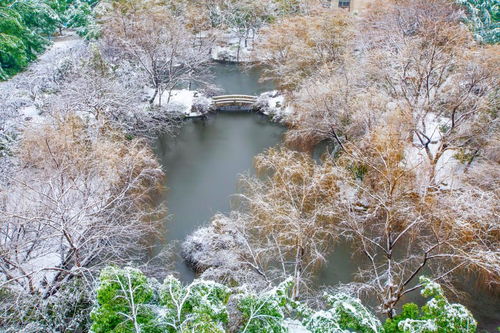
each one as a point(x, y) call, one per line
point(235, 79)
point(202, 165)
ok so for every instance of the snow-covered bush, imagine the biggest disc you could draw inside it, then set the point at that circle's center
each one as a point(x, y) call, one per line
point(437, 315)
point(130, 302)
point(68, 311)
point(198, 307)
point(220, 252)
point(345, 313)
point(267, 311)
point(484, 17)
point(274, 311)
point(272, 104)
point(127, 301)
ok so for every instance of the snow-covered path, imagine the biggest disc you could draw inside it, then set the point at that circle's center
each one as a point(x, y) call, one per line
point(20, 94)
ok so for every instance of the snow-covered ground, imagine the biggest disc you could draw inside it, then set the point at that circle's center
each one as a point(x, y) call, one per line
point(188, 103)
point(21, 95)
point(448, 168)
point(226, 48)
point(273, 104)
point(295, 326)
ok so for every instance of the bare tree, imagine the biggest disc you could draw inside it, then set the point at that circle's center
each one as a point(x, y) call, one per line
point(403, 231)
point(284, 227)
point(411, 56)
point(423, 58)
point(146, 34)
point(297, 47)
point(93, 89)
point(291, 211)
point(81, 197)
point(337, 105)
point(244, 18)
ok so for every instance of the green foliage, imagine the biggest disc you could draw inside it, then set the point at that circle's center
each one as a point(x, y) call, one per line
point(288, 7)
point(345, 314)
point(18, 44)
point(463, 156)
point(67, 311)
point(269, 311)
point(437, 315)
point(484, 18)
point(409, 311)
point(265, 312)
point(38, 16)
point(27, 25)
point(127, 301)
point(79, 16)
point(20, 36)
point(358, 170)
point(199, 307)
point(13, 55)
point(125, 297)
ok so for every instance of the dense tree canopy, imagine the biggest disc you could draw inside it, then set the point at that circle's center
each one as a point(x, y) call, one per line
point(27, 25)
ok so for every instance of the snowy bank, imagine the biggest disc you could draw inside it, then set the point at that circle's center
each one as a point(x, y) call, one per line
point(188, 103)
point(219, 252)
point(273, 105)
point(231, 47)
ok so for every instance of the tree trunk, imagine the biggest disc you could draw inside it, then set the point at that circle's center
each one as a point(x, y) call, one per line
point(298, 271)
point(152, 99)
point(238, 52)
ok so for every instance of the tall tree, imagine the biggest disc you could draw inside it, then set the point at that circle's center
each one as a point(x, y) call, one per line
point(294, 48)
point(291, 211)
point(79, 198)
point(422, 57)
point(152, 38)
point(402, 229)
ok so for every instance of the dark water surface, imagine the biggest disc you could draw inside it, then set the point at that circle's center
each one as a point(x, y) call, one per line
point(203, 164)
point(234, 79)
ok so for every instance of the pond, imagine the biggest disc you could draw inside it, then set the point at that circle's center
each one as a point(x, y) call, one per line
point(204, 161)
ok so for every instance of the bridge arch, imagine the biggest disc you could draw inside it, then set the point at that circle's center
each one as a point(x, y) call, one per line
point(234, 102)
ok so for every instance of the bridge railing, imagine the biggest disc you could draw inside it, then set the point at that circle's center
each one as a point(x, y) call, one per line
point(234, 99)
point(234, 96)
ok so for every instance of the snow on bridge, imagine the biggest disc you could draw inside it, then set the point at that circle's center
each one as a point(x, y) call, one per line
point(233, 102)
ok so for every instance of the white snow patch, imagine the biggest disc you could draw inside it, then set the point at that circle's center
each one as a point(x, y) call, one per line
point(189, 103)
point(184, 98)
point(227, 48)
point(30, 113)
point(273, 104)
point(295, 326)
